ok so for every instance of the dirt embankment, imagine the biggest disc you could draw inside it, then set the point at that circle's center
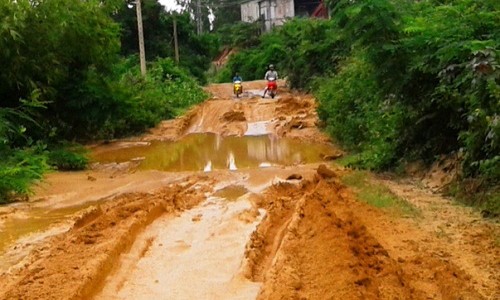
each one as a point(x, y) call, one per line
point(316, 243)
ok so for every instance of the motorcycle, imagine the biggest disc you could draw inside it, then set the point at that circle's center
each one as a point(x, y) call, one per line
point(237, 88)
point(272, 87)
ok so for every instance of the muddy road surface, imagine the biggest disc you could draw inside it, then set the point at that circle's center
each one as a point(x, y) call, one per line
point(238, 199)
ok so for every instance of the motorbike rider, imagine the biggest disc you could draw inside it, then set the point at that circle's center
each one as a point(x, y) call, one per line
point(237, 77)
point(271, 73)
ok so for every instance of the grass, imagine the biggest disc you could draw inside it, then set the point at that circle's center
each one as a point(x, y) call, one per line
point(378, 195)
point(496, 237)
point(483, 197)
point(69, 158)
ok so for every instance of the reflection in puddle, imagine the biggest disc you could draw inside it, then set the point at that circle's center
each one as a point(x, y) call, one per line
point(205, 152)
point(231, 163)
point(208, 166)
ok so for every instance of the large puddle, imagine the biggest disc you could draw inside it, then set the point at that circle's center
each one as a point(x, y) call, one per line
point(204, 152)
point(28, 225)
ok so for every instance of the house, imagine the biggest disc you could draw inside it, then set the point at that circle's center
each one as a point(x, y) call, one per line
point(275, 12)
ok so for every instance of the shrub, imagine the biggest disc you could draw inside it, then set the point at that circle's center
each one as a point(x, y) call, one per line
point(358, 116)
point(69, 158)
point(18, 171)
point(125, 102)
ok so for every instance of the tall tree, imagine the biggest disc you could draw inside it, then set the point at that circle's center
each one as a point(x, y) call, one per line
point(195, 51)
point(47, 47)
point(214, 13)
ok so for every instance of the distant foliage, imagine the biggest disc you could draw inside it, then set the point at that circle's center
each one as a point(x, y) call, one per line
point(312, 48)
point(252, 63)
point(196, 51)
point(239, 35)
point(124, 102)
point(301, 49)
point(397, 80)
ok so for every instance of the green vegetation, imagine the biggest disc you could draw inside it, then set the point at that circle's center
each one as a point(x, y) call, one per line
point(70, 73)
point(68, 158)
point(397, 80)
point(378, 195)
point(471, 191)
point(195, 51)
point(18, 171)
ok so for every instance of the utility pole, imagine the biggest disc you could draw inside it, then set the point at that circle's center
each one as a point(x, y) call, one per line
point(176, 43)
point(142, 54)
point(199, 20)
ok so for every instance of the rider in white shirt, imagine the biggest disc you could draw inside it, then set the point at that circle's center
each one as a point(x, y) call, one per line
point(270, 74)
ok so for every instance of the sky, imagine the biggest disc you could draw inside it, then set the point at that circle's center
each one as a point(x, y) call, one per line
point(170, 4)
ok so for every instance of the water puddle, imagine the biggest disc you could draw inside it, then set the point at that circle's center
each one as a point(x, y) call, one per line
point(231, 192)
point(29, 226)
point(206, 152)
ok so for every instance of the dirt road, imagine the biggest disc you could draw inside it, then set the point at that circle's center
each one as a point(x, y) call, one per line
point(277, 231)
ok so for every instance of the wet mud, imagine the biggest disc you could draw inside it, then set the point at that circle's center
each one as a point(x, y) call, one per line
point(315, 243)
point(247, 225)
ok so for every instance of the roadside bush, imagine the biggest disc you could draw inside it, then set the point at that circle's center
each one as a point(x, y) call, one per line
point(126, 103)
point(311, 48)
point(439, 62)
point(358, 115)
point(19, 170)
point(452, 82)
point(68, 158)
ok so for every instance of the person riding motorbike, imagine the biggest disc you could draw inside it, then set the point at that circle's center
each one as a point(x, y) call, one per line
point(237, 77)
point(271, 75)
point(237, 87)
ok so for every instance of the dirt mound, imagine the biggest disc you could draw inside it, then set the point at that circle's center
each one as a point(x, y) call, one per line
point(297, 118)
point(265, 241)
point(296, 104)
point(223, 57)
point(171, 130)
point(313, 244)
point(326, 173)
point(318, 255)
point(75, 263)
point(234, 116)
